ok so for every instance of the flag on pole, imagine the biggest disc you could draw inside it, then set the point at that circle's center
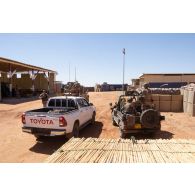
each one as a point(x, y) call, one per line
point(124, 51)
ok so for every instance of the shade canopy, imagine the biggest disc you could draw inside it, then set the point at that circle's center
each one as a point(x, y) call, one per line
point(6, 65)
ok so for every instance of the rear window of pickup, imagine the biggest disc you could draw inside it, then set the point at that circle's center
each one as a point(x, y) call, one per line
point(62, 103)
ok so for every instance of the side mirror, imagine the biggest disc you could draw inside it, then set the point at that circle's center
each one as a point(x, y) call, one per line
point(110, 104)
point(90, 104)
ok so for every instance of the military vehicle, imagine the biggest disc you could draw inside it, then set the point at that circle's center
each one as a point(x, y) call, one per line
point(75, 89)
point(141, 117)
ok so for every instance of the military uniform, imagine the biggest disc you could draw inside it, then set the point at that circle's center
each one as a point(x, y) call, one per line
point(122, 102)
point(146, 90)
point(147, 93)
point(129, 107)
point(44, 97)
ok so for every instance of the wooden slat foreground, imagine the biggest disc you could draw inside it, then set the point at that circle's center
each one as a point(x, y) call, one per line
point(98, 150)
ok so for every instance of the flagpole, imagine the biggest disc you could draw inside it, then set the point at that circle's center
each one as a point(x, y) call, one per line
point(75, 74)
point(123, 70)
point(69, 72)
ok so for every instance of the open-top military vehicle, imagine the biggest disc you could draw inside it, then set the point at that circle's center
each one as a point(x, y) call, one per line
point(141, 116)
point(75, 89)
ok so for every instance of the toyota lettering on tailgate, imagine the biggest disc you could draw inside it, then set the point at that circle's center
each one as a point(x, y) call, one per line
point(41, 121)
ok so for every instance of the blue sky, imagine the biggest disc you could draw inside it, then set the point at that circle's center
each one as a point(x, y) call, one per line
point(98, 57)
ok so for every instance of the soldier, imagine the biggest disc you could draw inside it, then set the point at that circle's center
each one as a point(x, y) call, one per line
point(86, 95)
point(147, 93)
point(122, 102)
point(144, 105)
point(140, 104)
point(146, 90)
point(129, 107)
point(44, 97)
point(147, 102)
point(112, 107)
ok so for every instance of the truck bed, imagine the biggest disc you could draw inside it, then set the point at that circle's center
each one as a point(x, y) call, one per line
point(49, 111)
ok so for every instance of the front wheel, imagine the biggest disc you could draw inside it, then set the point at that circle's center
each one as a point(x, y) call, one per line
point(114, 123)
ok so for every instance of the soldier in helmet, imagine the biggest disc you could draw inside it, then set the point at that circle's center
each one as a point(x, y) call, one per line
point(44, 97)
point(148, 101)
point(129, 107)
point(122, 102)
point(147, 93)
point(86, 95)
point(146, 90)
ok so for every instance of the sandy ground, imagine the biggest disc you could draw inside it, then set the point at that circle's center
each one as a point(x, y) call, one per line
point(16, 146)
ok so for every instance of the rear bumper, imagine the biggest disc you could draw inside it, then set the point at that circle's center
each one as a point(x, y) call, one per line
point(139, 130)
point(142, 129)
point(44, 132)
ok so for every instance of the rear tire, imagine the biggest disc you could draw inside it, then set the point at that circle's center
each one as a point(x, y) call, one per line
point(75, 131)
point(93, 119)
point(152, 134)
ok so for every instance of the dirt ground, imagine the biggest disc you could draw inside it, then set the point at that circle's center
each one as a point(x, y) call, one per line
point(16, 146)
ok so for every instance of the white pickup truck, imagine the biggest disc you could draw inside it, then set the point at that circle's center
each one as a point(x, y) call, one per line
point(63, 115)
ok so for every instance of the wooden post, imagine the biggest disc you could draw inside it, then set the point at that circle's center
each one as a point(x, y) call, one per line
point(48, 83)
point(10, 80)
point(34, 75)
point(33, 82)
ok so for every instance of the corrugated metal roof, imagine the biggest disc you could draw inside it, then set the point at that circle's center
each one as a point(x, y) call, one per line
point(167, 74)
point(19, 66)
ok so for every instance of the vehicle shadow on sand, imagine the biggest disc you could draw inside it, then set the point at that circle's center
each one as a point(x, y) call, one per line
point(48, 145)
point(92, 130)
point(158, 135)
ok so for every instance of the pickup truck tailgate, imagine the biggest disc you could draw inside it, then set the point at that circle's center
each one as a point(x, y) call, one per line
point(42, 121)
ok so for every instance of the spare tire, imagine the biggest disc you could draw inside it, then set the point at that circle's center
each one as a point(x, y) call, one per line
point(150, 118)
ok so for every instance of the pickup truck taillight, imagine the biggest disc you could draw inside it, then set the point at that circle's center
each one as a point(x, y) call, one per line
point(62, 122)
point(23, 119)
